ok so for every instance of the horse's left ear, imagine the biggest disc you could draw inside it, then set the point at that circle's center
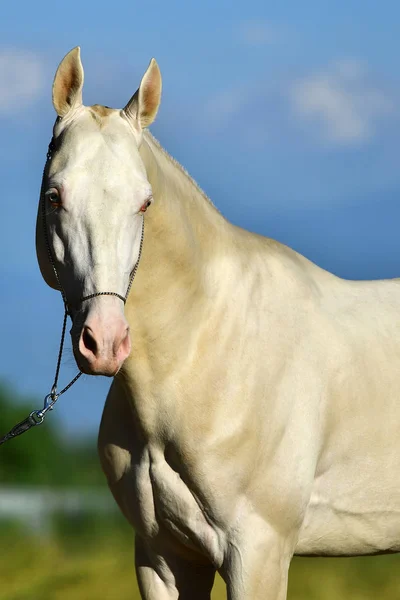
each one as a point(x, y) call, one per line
point(143, 105)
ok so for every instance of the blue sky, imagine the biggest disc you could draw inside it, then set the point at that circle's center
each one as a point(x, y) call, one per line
point(287, 114)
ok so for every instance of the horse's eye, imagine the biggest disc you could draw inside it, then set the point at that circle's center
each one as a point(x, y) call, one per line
point(145, 205)
point(53, 196)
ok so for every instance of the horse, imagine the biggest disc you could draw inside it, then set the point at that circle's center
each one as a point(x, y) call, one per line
point(254, 410)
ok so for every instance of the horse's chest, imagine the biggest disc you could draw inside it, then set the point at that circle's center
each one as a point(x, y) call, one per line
point(160, 504)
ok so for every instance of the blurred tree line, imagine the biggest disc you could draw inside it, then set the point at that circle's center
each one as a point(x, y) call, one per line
point(41, 456)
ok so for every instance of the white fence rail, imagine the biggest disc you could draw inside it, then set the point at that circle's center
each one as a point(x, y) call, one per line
point(36, 507)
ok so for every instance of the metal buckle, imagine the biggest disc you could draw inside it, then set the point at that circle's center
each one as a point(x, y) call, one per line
point(36, 417)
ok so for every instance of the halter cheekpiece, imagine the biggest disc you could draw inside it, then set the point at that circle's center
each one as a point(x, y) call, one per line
point(36, 417)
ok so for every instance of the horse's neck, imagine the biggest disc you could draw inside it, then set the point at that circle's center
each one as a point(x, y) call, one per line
point(184, 212)
point(184, 234)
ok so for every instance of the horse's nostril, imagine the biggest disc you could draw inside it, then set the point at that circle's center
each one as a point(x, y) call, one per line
point(103, 345)
point(89, 341)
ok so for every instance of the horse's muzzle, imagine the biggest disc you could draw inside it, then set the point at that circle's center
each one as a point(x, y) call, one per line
point(102, 345)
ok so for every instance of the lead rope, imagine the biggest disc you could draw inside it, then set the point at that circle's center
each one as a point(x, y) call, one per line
point(36, 417)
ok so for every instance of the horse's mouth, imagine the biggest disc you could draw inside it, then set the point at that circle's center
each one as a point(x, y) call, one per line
point(108, 370)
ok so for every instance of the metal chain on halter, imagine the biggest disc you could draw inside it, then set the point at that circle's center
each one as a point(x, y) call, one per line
point(36, 417)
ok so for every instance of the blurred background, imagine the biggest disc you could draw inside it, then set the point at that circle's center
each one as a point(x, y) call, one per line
point(287, 114)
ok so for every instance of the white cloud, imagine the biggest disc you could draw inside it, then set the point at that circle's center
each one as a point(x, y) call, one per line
point(258, 33)
point(341, 102)
point(224, 106)
point(21, 79)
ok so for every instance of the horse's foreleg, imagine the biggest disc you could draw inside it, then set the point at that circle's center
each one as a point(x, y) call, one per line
point(256, 565)
point(169, 577)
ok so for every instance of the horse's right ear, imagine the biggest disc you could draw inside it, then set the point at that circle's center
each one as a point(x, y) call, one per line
point(68, 83)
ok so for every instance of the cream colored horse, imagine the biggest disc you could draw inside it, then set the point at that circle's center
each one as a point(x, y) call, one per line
point(255, 407)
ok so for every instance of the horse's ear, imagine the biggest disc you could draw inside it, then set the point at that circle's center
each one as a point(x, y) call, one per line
point(143, 105)
point(68, 83)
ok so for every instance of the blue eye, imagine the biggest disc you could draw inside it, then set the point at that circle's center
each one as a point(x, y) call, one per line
point(145, 205)
point(53, 196)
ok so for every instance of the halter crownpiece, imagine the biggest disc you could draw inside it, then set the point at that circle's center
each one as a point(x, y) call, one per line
point(36, 417)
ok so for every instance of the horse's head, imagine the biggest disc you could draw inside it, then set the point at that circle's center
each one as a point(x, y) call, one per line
point(95, 190)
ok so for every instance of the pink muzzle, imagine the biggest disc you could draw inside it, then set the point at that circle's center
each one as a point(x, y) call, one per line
point(103, 343)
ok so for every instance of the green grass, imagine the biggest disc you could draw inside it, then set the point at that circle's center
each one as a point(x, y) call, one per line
point(100, 567)
point(361, 578)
